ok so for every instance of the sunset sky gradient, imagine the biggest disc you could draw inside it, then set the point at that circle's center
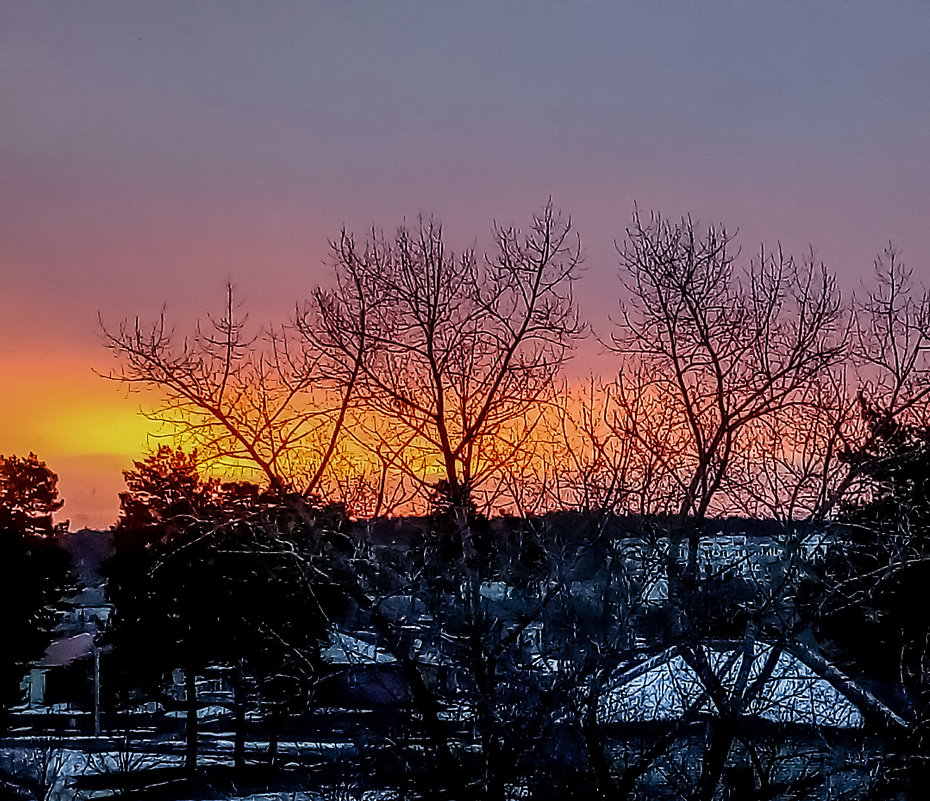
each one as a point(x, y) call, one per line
point(151, 152)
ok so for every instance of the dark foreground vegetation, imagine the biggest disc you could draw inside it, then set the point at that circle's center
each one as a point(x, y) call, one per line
point(457, 577)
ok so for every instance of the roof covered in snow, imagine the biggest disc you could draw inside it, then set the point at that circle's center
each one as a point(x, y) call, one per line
point(345, 649)
point(761, 682)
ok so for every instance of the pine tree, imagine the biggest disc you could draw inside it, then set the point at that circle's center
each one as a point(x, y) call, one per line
point(34, 570)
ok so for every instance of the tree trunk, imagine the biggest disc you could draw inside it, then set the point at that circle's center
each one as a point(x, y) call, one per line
point(715, 758)
point(273, 720)
point(190, 756)
point(597, 763)
point(239, 711)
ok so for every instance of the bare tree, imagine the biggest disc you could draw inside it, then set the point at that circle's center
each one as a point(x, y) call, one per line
point(810, 459)
point(255, 402)
point(715, 352)
point(816, 455)
point(452, 352)
point(894, 340)
point(725, 375)
point(435, 364)
point(891, 366)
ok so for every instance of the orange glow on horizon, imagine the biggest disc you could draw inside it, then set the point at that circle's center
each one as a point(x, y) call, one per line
point(88, 430)
point(83, 427)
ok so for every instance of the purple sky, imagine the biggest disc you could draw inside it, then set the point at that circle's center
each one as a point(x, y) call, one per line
point(149, 152)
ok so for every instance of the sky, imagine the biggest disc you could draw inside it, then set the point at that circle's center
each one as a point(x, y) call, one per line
point(151, 152)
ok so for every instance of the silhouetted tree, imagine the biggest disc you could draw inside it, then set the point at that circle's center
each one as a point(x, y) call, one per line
point(254, 402)
point(28, 495)
point(711, 354)
point(871, 605)
point(457, 355)
point(34, 570)
point(891, 356)
point(451, 353)
point(208, 574)
point(725, 401)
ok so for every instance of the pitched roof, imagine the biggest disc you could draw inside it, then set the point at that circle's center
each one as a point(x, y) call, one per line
point(770, 684)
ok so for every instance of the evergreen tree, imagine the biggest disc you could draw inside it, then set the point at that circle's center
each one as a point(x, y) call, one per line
point(208, 574)
point(34, 570)
point(28, 494)
point(878, 573)
point(873, 604)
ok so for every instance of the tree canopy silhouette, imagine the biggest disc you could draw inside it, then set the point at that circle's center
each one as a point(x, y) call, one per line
point(454, 353)
point(28, 494)
point(210, 574)
point(34, 570)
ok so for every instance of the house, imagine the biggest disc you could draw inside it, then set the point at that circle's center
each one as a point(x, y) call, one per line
point(52, 677)
point(771, 684)
point(67, 669)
